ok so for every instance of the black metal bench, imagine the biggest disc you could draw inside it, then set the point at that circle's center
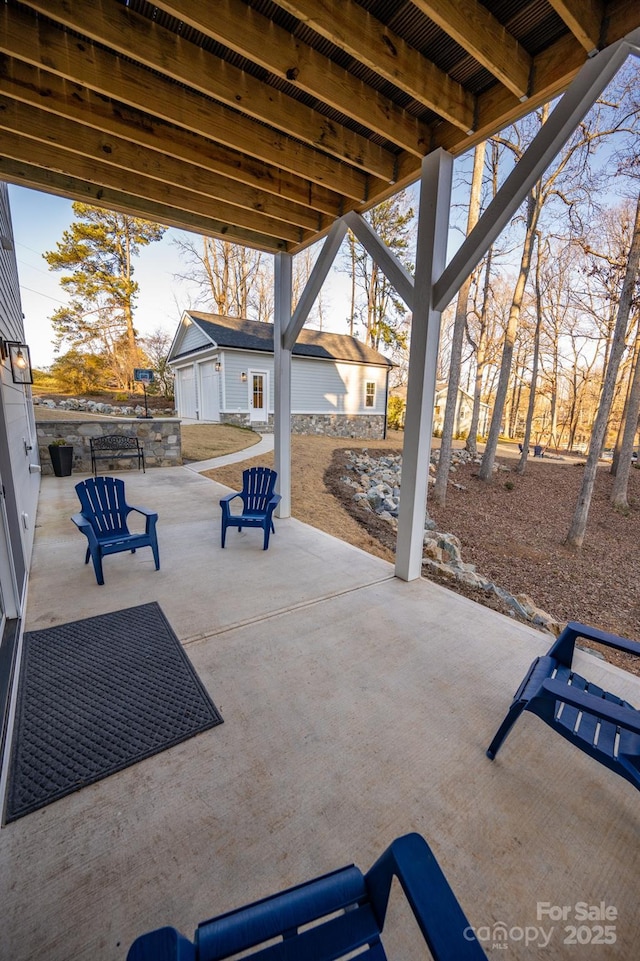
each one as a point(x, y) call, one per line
point(113, 447)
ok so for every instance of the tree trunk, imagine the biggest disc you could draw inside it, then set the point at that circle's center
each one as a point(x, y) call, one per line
point(439, 492)
point(623, 420)
point(533, 210)
point(575, 537)
point(481, 353)
point(522, 463)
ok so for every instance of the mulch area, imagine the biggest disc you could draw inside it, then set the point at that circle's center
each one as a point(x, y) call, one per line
point(515, 536)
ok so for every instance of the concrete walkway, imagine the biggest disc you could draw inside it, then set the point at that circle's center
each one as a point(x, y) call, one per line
point(357, 707)
point(264, 445)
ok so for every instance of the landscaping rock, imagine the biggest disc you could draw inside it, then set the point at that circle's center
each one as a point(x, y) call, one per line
point(377, 484)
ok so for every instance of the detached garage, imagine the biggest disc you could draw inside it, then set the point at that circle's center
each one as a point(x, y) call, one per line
point(224, 374)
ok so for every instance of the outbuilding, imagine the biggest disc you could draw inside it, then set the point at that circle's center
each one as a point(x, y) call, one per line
point(224, 369)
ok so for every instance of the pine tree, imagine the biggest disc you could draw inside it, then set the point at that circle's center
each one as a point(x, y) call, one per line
point(98, 251)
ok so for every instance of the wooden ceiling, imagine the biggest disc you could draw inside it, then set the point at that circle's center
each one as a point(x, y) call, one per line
point(263, 122)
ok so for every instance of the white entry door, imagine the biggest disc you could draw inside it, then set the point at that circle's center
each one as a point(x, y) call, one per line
point(257, 396)
point(209, 392)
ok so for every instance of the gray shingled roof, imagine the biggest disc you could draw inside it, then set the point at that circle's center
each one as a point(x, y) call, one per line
point(253, 335)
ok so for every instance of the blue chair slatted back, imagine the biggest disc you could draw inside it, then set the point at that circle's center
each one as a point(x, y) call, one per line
point(341, 893)
point(257, 489)
point(104, 505)
point(338, 915)
point(598, 722)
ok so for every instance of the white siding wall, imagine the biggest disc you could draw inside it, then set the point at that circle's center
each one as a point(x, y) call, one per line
point(317, 386)
point(17, 427)
point(236, 393)
point(192, 339)
point(321, 387)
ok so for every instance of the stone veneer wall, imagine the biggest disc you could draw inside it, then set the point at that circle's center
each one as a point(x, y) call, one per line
point(369, 427)
point(161, 439)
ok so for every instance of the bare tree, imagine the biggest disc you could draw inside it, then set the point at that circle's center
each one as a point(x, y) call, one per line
point(534, 204)
point(227, 275)
point(567, 181)
point(522, 463)
point(575, 536)
point(621, 481)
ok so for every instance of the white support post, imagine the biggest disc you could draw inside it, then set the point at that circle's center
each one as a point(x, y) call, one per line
point(282, 381)
point(433, 229)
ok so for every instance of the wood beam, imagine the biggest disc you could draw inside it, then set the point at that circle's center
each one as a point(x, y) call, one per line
point(561, 124)
point(44, 45)
point(24, 174)
point(480, 34)
point(48, 156)
point(131, 35)
point(52, 129)
point(369, 41)
point(242, 29)
point(553, 71)
point(30, 85)
point(584, 18)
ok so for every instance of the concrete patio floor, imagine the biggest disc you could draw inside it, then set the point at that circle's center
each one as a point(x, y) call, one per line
point(357, 707)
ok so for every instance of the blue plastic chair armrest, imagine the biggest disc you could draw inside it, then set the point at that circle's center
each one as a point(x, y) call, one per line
point(165, 944)
point(226, 500)
point(626, 717)
point(85, 527)
point(81, 521)
point(603, 637)
point(145, 512)
point(442, 921)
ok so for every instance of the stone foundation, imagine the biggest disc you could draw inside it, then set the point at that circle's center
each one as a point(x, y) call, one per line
point(160, 436)
point(370, 427)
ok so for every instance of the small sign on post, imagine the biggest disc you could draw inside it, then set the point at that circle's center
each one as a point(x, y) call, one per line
point(144, 376)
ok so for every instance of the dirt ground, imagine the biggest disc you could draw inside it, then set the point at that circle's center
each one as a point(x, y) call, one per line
point(311, 500)
point(513, 536)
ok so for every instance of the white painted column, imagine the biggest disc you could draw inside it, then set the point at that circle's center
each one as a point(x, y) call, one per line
point(433, 229)
point(282, 381)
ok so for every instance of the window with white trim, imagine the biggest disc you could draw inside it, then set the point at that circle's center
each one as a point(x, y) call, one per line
point(370, 393)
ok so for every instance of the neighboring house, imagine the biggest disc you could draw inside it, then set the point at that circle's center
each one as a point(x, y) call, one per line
point(19, 467)
point(464, 410)
point(224, 369)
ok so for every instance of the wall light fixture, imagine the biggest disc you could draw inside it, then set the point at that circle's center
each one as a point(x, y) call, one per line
point(20, 359)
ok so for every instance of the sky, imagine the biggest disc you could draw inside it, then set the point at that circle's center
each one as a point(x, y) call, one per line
point(39, 221)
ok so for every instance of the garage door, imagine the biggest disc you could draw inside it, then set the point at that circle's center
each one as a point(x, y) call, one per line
point(187, 394)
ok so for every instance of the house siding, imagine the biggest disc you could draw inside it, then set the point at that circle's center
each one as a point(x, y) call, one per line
point(19, 476)
point(324, 387)
point(193, 339)
point(17, 423)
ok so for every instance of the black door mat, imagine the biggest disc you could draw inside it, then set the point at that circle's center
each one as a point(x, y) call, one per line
point(96, 696)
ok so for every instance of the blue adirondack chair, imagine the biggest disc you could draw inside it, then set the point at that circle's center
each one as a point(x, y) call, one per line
point(103, 521)
point(601, 724)
point(350, 908)
point(258, 503)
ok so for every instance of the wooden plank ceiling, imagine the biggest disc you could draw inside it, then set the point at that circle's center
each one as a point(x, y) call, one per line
point(262, 122)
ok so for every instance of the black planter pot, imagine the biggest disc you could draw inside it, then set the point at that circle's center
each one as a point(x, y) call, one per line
point(61, 459)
